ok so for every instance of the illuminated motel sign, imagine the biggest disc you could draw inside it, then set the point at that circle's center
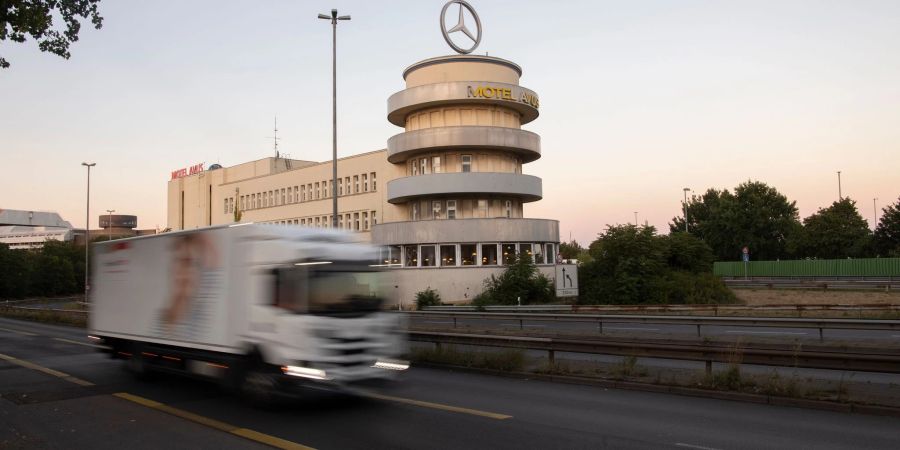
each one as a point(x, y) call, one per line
point(196, 168)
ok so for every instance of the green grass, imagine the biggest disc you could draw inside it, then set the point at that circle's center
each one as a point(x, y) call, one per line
point(503, 360)
point(75, 320)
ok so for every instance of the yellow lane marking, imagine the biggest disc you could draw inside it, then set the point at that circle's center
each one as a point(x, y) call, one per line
point(424, 404)
point(245, 433)
point(78, 343)
point(26, 333)
point(47, 370)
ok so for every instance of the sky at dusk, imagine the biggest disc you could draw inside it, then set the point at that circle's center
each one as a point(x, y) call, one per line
point(639, 99)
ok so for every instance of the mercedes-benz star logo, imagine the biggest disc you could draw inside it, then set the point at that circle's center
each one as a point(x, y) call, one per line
point(461, 26)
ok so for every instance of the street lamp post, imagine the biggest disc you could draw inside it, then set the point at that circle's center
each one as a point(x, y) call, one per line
point(109, 222)
point(685, 209)
point(87, 229)
point(334, 20)
point(635, 218)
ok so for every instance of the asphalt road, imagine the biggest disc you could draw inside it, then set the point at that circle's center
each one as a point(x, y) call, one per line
point(58, 393)
point(728, 332)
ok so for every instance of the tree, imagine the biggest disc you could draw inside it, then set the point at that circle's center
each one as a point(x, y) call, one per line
point(887, 233)
point(756, 215)
point(521, 280)
point(837, 231)
point(634, 265)
point(22, 18)
point(570, 250)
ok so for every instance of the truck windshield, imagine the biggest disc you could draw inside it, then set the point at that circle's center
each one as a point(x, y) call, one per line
point(329, 288)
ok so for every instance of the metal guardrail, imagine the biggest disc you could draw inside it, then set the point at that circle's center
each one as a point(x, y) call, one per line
point(769, 355)
point(697, 321)
point(713, 309)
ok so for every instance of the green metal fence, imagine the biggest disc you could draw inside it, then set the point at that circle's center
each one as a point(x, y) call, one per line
point(870, 267)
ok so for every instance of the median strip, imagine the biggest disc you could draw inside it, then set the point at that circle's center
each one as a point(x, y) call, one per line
point(245, 433)
point(46, 370)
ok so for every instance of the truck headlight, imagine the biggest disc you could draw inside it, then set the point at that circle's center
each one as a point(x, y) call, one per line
point(391, 364)
point(304, 372)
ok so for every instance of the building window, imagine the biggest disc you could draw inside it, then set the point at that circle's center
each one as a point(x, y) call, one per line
point(252, 201)
point(525, 249)
point(423, 165)
point(538, 254)
point(374, 185)
point(436, 209)
point(365, 220)
point(428, 256)
point(509, 253)
point(349, 224)
point(226, 206)
point(415, 167)
point(325, 190)
point(282, 197)
point(347, 183)
point(466, 163)
point(415, 210)
point(448, 255)
point(318, 222)
point(436, 164)
point(411, 256)
point(393, 255)
point(374, 219)
point(317, 190)
point(231, 205)
point(272, 196)
point(468, 255)
point(341, 221)
point(303, 222)
point(550, 256)
point(482, 209)
point(451, 209)
point(488, 254)
point(365, 182)
point(356, 184)
point(356, 221)
point(340, 186)
point(290, 196)
point(241, 204)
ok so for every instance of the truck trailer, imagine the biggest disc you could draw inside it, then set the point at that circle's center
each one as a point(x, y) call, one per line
point(263, 309)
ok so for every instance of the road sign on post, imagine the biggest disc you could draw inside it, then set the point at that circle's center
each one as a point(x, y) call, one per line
point(566, 280)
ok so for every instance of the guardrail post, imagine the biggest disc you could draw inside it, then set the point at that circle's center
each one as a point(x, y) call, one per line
point(708, 367)
point(551, 356)
point(521, 324)
point(821, 336)
point(600, 326)
point(454, 322)
point(698, 330)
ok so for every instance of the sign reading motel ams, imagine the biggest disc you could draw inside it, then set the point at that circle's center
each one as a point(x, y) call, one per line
point(196, 168)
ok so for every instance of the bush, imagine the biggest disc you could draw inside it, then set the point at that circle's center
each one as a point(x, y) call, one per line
point(428, 297)
point(521, 280)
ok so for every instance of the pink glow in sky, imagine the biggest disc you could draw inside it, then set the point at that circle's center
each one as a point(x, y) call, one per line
point(638, 99)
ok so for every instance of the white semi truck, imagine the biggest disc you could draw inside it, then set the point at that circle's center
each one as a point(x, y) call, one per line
point(263, 309)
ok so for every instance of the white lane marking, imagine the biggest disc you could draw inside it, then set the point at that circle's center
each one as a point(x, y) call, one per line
point(631, 329)
point(764, 332)
point(436, 321)
point(79, 343)
point(698, 447)
point(25, 333)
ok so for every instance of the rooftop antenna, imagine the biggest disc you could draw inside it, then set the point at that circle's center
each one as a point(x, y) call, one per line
point(275, 138)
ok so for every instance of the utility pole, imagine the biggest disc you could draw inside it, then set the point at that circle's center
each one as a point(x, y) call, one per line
point(875, 213)
point(635, 219)
point(685, 209)
point(840, 195)
point(87, 229)
point(334, 20)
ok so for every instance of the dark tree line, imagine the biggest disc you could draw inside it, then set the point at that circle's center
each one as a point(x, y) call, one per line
point(759, 217)
point(55, 269)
